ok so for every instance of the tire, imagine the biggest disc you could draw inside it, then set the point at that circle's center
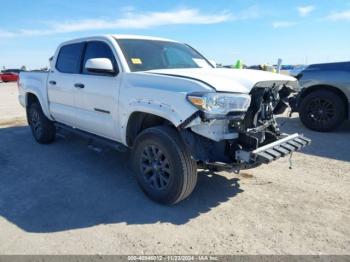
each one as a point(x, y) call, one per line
point(43, 129)
point(322, 111)
point(163, 166)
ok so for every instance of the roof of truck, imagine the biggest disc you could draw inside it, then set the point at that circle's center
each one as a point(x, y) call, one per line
point(144, 37)
point(117, 37)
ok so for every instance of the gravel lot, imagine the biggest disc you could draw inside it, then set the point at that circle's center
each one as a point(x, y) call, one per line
point(69, 198)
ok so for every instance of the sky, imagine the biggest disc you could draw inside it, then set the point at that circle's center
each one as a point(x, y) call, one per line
point(257, 32)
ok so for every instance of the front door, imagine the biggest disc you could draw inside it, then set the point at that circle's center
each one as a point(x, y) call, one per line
point(96, 99)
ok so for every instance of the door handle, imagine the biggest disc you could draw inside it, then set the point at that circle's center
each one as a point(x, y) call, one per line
point(52, 82)
point(79, 85)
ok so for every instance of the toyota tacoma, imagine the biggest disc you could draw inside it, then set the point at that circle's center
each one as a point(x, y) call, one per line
point(166, 102)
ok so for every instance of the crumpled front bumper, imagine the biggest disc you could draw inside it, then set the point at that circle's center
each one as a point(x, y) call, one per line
point(274, 150)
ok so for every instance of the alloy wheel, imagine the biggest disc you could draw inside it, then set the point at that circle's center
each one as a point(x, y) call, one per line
point(155, 167)
point(35, 123)
point(321, 110)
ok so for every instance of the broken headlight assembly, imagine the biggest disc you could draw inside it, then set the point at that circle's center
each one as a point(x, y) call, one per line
point(220, 103)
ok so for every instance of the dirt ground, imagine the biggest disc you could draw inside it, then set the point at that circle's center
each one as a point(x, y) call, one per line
point(67, 198)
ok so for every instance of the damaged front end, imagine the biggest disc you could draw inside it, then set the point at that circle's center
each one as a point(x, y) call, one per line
point(243, 139)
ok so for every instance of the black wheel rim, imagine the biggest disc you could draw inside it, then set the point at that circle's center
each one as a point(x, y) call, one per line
point(35, 122)
point(321, 110)
point(155, 167)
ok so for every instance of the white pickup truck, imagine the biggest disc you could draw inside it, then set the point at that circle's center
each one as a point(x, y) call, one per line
point(166, 102)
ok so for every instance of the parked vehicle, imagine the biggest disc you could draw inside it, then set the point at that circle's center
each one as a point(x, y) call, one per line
point(287, 67)
point(297, 70)
point(255, 67)
point(323, 103)
point(164, 101)
point(9, 75)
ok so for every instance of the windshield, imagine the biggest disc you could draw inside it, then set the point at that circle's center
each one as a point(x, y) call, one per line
point(143, 55)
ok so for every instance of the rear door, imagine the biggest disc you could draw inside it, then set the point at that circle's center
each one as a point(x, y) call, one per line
point(97, 99)
point(61, 81)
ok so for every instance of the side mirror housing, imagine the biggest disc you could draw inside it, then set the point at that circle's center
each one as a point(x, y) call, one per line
point(99, 65)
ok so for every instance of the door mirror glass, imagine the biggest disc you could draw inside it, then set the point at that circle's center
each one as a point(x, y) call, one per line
point(99, 65)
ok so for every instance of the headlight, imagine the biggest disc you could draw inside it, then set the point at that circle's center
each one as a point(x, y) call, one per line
point(220, 103)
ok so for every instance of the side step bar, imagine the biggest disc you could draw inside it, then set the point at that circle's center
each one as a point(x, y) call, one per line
point(94, 138)
point(275, 150)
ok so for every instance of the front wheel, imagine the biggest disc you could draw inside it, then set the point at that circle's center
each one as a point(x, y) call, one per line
point(322, 111)
point(163, 166)
point(43, 129)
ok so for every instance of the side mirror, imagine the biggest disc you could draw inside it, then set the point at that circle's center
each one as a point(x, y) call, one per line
point(99, 65)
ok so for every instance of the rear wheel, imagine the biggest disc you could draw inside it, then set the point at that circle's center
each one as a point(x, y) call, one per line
point(322, 111)
point(163, 165)
point(43, 129)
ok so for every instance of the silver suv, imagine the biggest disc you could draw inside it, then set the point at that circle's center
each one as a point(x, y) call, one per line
point(323, 102)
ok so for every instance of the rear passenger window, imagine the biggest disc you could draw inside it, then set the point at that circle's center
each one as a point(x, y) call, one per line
point(97, 49)
point(69, 58)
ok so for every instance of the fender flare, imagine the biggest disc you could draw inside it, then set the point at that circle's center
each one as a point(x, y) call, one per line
point(44, 105)
point(150, 107)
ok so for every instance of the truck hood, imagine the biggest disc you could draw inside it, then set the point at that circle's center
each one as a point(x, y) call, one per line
point(226, 79)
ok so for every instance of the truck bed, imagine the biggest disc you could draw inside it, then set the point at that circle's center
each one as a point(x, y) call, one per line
point(35, 83)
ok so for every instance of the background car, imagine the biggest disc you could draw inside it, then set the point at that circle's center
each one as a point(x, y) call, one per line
point(323, 102)
point(10, 75)
point(295, 71)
